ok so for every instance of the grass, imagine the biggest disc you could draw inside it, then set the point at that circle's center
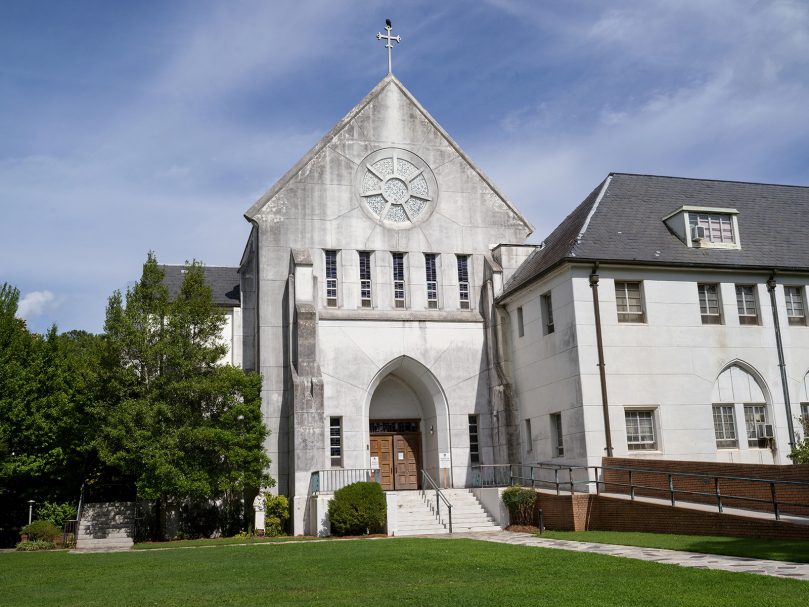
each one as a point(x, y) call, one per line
point(777, 550)
point(376, 572)
point(220, 541)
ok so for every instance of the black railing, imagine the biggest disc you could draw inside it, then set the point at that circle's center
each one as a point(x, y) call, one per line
point(430, 489)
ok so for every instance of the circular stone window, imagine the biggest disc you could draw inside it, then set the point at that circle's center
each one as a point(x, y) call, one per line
point(396, 188)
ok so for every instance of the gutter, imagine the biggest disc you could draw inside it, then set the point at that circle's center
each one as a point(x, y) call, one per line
point(602, 371)
point(781, 364)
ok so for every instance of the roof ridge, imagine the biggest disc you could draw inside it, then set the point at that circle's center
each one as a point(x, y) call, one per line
point(764, 183)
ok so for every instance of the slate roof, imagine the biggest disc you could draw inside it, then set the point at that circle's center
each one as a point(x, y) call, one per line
point(224, 282)
point(626, 225)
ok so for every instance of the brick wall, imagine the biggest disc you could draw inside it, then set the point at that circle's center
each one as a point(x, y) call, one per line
point(600, 513)
point(657, 484)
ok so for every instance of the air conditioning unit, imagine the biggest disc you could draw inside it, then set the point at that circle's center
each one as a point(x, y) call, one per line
point(764, 431)
point(697, 233)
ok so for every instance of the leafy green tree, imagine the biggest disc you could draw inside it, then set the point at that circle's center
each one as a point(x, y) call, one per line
point(179, 423)
point(800, 451)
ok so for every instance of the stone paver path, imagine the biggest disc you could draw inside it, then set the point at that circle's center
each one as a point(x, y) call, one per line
point(796, 571)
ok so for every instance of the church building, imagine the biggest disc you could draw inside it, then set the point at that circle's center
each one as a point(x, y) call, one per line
point(401, 323)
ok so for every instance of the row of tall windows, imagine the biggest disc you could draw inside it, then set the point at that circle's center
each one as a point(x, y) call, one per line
point(399, 279)
point(630, 306)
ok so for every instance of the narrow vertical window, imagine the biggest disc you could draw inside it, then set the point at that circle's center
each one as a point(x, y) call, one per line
point(628, 301)
point(556, 435)
point(640, 430)
point(547, 313)
point(724, 425)
point(365, 279)
point(746, 304)
point(796, 312)
point(463, 281)
point(529, 437)
point(331, 278)
point(709, 304)
point(474, 443)
point(759, 429)
point(431, 276)
point(398, 280)
point(520, 325)
point(336, 441)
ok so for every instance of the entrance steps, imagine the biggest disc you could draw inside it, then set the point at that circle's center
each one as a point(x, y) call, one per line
point(416, 513)
point(106, 527)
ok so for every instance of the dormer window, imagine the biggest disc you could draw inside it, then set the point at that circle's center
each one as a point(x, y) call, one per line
point(705, 227)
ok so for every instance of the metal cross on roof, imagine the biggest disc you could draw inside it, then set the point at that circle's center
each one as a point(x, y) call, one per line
point(389, 38)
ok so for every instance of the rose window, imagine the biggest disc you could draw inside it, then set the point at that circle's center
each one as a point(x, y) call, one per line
point(397, 187)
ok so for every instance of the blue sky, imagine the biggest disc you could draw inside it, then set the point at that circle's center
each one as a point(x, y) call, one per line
point(130, 126)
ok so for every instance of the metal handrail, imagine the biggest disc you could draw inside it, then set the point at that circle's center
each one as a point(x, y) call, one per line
point(332, 479)
point(439, 497)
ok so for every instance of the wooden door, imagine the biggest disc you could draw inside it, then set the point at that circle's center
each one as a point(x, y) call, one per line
point(382, 447)
point(407, 451)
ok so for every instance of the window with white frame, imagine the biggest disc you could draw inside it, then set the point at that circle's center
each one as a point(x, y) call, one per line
point(796, 312)
point(756, 421)
point(746, 304)
point(529, 437)
point(399, 292)
point(365, 279)
point(724, 425)
point(431, 278)
point(331, 278)
point(520, 325)
point(805, 419)
point(709, 306)
point(463, 281)
point(712, 227)
point(474, 442)
point(640, 429)
point(336, 441)
point(547, 313)
point(556, 435)
point(629, 301)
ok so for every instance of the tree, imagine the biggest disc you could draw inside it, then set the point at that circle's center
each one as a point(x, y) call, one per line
point(177, 422)
point(800, 451)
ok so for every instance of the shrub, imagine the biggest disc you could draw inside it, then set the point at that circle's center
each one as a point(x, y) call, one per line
point(34, 545)
point(520, 503)
point(358, 509)
point(56, 513)
point(42, 530)
point(277, 514)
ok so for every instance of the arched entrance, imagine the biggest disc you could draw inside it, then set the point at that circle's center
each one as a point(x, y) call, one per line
point(407, 425)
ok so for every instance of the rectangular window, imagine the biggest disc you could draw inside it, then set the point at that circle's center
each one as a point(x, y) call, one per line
point(805, 419)
point(520, 325)
point(529, 437)
point(331, 278)
point(629, 302)
point(399, 280)
point(463, 281)
point(431, 276)
point(556, 435)
point(709, 304)
point(713, 227)
point(724, 425)
point(547, 313)
point(640, 430)
point(365, 279)
point(796, 313)
point(474, 443)
point(336, 441)
point(754, 417)
point(746, 303)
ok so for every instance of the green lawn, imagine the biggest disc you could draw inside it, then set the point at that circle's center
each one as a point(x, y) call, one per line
point(220, 541)
point(778, 550)
point(376, 572)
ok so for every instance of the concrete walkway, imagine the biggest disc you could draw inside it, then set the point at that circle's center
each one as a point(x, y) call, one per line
point(796, 571)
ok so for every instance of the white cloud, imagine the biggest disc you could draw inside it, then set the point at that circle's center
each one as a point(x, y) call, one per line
point(37, 303)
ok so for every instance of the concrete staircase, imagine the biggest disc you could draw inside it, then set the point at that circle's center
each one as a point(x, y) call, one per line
point(416, 514)
point(106, 527)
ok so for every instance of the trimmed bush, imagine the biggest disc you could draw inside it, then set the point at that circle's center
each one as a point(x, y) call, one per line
point(42, 530)
point(520, 503)
point(34, 545)
point(276, 515)
point(358, 509)
point(56, 513)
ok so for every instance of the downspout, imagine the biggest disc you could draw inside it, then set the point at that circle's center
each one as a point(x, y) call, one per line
point(601, 368)
point(781, 364)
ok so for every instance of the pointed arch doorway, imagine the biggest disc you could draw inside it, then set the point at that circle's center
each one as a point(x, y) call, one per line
point(407, 424)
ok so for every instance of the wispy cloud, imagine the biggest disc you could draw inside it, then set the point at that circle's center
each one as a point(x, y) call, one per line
point(36, 303)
